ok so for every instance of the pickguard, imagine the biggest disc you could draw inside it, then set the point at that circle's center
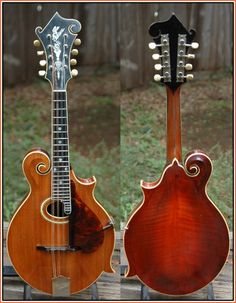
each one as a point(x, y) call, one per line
point(86, 230)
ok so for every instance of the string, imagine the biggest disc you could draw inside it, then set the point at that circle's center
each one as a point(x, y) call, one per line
point(61, 191)
point(53, 256)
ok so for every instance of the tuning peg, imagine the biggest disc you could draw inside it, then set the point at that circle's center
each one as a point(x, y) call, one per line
point(158, 66)
point(40, 53)
point(195, 45)
point(157, 77)
point(77, 42)
point(190, 56)
point(152, 45)
point(73, 62)
point(156, 56)
point(37, 43)
point(188, 66)
point(74, 72)
point(42, 73)
point(74, 52)
point(42, 62)
point(189, 77)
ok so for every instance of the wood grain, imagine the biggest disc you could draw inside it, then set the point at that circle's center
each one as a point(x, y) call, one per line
point(177, 241)
point(29, 228)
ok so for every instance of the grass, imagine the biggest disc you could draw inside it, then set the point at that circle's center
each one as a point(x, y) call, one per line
point(95, 150)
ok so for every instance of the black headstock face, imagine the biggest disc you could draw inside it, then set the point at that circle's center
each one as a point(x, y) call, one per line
point(57, 38)
point(173, 42)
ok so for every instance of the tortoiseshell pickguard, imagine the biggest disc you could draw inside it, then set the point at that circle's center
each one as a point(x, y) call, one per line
point(86, 230)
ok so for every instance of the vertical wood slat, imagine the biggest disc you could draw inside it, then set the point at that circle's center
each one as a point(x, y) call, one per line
point(116, 33)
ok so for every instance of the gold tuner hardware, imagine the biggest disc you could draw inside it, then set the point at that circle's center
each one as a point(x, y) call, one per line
point(189, 77)
point(42, 62)
point(191, 56)
point(42, 73)
point(188, 66)
point(37, 43)
point(195, 45)
point(73, 62)
point(157, 66)
point(155, 56)
point(74, 52)
point(74, 72)
point(152, 45)
point(157, 78)
point(40, 53)
point(77, 42)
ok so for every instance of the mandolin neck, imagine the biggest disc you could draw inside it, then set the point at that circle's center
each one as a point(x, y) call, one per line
point(60, 150)
point(174, 149)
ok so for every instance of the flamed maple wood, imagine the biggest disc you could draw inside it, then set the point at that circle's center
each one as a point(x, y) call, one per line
point(177, 241)
point(33, 227)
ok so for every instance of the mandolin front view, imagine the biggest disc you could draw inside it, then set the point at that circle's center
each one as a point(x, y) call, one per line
point(60, 239)
point(176, 241)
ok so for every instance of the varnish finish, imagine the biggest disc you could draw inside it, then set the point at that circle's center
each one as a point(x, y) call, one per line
point(177, 241)
point(32, 229)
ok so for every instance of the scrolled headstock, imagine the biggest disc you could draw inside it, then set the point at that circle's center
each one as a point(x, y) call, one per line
point(173, 42)
point(57, 38)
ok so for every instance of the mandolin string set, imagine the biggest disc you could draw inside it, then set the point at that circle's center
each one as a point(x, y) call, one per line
point(61, 239)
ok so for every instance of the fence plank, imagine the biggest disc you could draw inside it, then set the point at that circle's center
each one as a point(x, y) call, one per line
point(116, 33)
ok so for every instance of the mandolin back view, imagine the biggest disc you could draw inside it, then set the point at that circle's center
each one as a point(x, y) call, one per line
point(177, 241)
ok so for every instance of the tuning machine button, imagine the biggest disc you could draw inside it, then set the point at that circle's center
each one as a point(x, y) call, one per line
point(73, 62)
point(157, 78)
point(189, 77)
point(188, 66)
point(156, 56)
point(158, 66)
point(190, 56)
point(74, 72)
point(194, 45)
point(37, 43)
point(42, 62)
point(42, 73)
point(152, 45)
point(77, 42)
point(40, 53)
point(74, 52)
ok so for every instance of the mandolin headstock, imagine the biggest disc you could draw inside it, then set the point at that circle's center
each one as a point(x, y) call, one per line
point(173, 42)
point(57, 39)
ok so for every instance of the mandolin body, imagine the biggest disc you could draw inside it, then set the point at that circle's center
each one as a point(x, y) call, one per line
point(177, 241)
point(33, 226)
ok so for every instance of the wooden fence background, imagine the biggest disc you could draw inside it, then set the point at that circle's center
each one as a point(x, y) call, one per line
point(116, 34)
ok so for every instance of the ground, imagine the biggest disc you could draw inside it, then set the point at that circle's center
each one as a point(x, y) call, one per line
point(120, 137)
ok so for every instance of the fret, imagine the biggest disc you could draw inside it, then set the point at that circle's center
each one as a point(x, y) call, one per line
point(63, 108)
point(62, 187)
point(58, 100)
point(62, 165)
point(60, 124)
point(60, 131)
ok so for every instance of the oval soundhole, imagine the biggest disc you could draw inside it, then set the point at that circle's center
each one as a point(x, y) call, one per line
point(56, 209)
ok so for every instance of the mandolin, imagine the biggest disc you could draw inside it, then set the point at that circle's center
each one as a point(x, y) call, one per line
point(176, 241)
point(60, 239)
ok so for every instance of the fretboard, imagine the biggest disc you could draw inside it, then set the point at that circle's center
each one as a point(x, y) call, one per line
point(60, 151)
